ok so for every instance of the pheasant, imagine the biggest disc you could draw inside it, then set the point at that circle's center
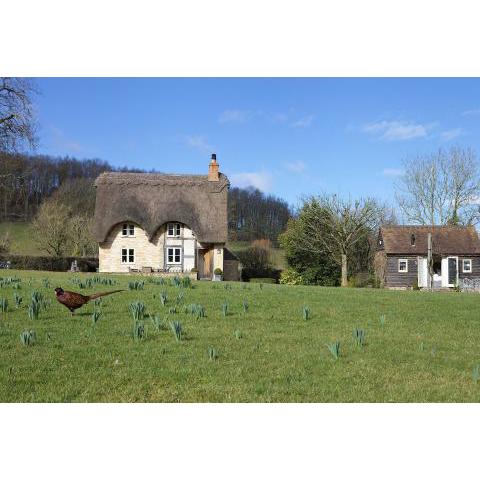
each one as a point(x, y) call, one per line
point(74, 300)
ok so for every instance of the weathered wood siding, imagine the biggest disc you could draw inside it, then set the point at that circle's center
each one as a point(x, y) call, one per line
point(475, 268)
point(397, 279)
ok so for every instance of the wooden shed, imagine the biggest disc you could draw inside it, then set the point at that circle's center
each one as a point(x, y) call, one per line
point(401, 255)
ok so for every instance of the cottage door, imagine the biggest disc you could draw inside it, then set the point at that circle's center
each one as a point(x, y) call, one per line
point(452, 271)
point(422, 272)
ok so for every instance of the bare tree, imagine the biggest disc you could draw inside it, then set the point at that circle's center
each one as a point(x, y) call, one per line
point(17, 119)
point(80, 236)
point(441, 188)
point(336, 226)
point(50, 228)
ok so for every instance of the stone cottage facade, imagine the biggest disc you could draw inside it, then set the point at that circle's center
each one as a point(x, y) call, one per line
point(150, 222)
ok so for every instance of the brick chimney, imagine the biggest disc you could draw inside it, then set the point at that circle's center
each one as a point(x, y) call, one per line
point(213, 169)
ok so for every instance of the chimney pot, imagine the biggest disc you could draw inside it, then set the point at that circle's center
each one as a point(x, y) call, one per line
point(213, 175)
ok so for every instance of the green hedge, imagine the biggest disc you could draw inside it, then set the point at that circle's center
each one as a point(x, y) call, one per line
point(51, 264)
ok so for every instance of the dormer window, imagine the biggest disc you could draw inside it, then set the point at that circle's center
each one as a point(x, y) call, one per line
point(128, 230)
point(173, 229)
point(412, 240)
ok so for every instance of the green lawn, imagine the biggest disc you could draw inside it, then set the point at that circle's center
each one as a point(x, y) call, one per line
point(23, 242)
point(424, 351)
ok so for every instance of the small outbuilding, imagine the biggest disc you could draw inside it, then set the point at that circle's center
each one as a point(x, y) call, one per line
point(401, 258)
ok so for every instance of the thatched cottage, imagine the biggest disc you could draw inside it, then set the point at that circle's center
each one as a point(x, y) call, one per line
point(401, 259)
point(152, 222)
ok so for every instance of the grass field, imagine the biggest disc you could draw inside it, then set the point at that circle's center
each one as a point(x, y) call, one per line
point(423, 349)
point(21, 236)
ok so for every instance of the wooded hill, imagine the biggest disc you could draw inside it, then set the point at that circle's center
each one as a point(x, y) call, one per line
point(27, 180)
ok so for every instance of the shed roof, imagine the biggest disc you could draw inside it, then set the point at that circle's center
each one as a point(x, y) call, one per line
point(448, 240)
point(151, 199)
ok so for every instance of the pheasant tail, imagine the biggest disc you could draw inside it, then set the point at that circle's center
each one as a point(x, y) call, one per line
point(102, 294)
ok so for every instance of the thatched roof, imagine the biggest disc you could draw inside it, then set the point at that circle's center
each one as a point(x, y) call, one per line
point(150, 200)
point(447, 240)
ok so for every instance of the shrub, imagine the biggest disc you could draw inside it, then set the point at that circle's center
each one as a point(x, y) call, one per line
point(195, 309)
point(3, 305)
point(51, 264)
point(291, 277)
point(5, 243)
point(256, 262)
point(17, 299)
point(218, 271)
point(415, 284)
point(163, 298)
point(186, 282)
point(28, 337)
point(138, 310)
point(359, 337)
point(212, 353)
point(96, 317)
point(176, 327)
point(136, 285)
point(306, 312)
point(334, 349)
point(476, 373)
point(157, 322)
point(138, 330)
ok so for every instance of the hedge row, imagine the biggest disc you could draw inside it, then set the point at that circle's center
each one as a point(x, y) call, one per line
point(51, 264)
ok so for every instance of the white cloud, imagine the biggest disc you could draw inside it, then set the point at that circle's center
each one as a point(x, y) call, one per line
point(303, 122)
point(260, 180)
point(392, 172)
point(279, 117)
point(397, 130)
point(451, 134)
point(296, 167)
point(198, 142)
point(235, 116)
point(469, 113)
point(61, 141)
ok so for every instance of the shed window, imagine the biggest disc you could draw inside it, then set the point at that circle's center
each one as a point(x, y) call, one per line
point(403, 265)
point(412, 240)
point(128, 230)
point(173, 230)
point(128, 255)
point(467, 265)
point(174, 255)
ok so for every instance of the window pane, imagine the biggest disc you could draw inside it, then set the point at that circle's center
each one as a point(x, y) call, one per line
point(170, 229)
point(132, 230)
point(124, 229)
point(178, 229)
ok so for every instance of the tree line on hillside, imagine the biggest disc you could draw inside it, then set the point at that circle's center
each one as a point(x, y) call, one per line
point(28, 181)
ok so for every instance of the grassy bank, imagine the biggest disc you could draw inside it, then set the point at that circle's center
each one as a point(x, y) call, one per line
point(419, 346)
point(23, 241)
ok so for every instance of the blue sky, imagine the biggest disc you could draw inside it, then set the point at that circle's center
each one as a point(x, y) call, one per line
point(286, 136)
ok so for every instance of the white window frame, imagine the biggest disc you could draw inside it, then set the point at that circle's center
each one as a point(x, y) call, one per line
point(174, 262)
point(129, 256)
point(469, 260)
point(400, 260)
point(176, 229)
point(128, 230)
